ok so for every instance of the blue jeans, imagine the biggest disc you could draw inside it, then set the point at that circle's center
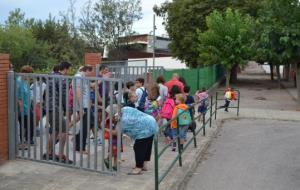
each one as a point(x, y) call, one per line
point(182, 132)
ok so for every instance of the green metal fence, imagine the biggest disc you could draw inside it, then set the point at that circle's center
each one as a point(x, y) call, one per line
point(206, 121)
point(197, 78)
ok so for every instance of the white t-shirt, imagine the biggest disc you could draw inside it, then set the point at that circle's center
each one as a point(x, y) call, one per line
point(163, 92)
point(139, 94)
point(36, 87)
point(84, 90)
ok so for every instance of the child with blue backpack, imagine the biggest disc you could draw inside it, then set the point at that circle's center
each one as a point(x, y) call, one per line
point(184, 119)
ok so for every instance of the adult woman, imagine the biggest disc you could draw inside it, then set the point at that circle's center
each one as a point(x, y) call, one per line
point(141, 128)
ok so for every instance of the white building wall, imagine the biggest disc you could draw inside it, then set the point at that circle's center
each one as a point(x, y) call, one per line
point(166, 62)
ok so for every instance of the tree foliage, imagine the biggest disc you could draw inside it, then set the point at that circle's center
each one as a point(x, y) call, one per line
point(227, 41)
point(105, 21)
point(184, 17)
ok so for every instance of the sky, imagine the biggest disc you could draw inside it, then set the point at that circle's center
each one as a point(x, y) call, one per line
point(40, 9)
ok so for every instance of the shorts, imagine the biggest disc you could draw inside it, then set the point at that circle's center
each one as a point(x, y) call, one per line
point(182, 132)
point(202, 109)
point(56, 122)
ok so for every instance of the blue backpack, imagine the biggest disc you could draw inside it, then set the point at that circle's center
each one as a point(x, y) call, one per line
point(142, 102)
point(184, 118)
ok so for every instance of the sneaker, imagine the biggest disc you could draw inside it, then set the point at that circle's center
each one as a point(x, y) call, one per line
point(174, 149)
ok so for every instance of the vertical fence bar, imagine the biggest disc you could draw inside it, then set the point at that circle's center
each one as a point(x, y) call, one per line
point(110, 124)
point(81, 107)
point(238, 107)
point(203, 124)
point(96, 125)
point(60, 144)
point(87, 81)
point(211, 111)
point(119, 130)
point(156, 173)
point(178, 145)
point(53, 118)
point(34, 85)
point(74, 119)
point(41, 82)
point(11, 113)
point(17, 121)
point(216, 105)
point(28, 118)
point(67, 119)
point(22, 109)
point(47, 119)
point(103, 121)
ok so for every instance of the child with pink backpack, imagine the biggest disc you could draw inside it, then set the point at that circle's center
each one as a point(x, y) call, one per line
point(167, 111)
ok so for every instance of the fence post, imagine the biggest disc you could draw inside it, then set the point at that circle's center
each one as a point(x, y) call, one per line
point(194, 136)
point(216, 105)
point(211, 111)
point(156, 174)
point(203, 125)
point(238, 107)
point(179, 146)
point(11, 114)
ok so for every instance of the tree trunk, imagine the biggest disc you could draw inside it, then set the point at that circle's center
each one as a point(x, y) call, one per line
point(271, 71)
point(228, 73)
point(234, 73)
point(278, 75)
point(298, 83)
point(287, 71)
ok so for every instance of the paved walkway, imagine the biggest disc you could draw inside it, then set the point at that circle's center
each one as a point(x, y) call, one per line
point(259, 150)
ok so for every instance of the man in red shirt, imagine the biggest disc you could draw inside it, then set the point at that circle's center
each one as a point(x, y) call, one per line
point(174, 81)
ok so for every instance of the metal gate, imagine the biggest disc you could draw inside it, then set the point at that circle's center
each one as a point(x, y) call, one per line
point(132, 69)
point(67, 115)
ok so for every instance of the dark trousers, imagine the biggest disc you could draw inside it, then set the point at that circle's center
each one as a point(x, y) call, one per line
point(142, 150)
point(226, 105)
point(84, 129)
point(25, 127)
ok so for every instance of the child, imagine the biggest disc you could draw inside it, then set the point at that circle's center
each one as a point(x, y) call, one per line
point(152, 105)
point(229, 96)
point(130, 88)
point(114, 132)
point(202, 96)
point(182, 122)
point(190, 101)
point(132, 98)
point(167, 111)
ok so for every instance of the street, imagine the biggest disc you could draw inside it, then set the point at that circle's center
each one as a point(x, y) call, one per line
point(251, 155)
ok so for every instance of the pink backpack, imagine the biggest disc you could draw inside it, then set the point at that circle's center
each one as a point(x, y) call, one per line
point(167, 109)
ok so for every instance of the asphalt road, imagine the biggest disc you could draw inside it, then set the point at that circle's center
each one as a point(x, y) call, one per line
point(251, 155)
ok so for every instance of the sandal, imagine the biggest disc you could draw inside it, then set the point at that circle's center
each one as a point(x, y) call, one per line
point(135, 173)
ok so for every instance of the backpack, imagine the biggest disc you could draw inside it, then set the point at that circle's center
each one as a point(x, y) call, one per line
point(167, 109)
point(142, 101)
point(184, 117)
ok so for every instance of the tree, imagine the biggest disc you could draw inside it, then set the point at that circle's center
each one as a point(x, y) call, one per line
point(281, 35)
point(105, 21)
point(277, 45)
point(23, 48)
point(227, 41)
point(184, 17)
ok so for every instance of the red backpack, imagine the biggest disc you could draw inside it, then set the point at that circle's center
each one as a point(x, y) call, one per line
point(167, 109)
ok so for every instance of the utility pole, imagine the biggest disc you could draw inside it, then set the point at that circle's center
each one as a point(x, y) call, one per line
point(154, 40)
